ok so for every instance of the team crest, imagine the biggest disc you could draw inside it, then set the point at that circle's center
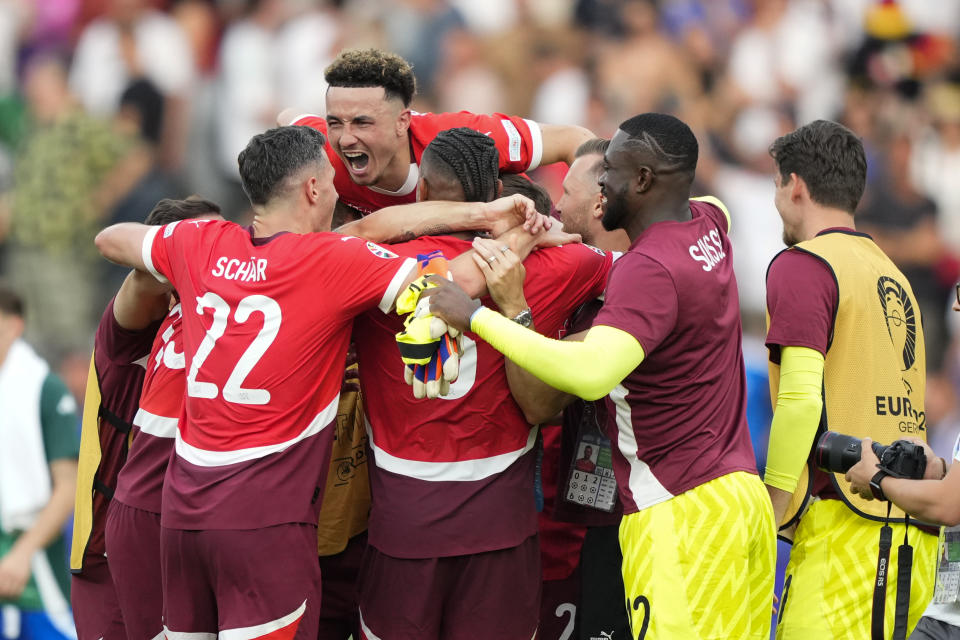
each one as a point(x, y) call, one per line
point(379, 251)
point(901, 319)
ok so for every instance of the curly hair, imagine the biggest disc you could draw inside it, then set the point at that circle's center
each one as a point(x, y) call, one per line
point(373, 68)
point(468, 157)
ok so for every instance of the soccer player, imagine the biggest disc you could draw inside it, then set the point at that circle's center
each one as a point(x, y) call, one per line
point(265, 336)
point(453, 547)
point(840, 311)
point(123, 342)
point(132, 533)
point(376, 141)
point(698, 532)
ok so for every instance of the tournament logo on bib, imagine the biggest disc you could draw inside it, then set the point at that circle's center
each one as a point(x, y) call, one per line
point(379, 251)
point(900, 318)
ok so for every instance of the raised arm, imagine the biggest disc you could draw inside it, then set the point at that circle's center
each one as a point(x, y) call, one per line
point(123, 244)
point(590, 369)
point(401, 223)
point(560, 142)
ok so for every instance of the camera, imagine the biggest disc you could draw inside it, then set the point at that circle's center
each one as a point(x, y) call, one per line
point(836, 452)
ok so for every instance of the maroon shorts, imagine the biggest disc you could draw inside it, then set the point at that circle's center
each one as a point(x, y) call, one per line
point(339, 615)
point(558, 608)
point(485, 595)
point(96, 610)
point(133, 547)
point(241, 584)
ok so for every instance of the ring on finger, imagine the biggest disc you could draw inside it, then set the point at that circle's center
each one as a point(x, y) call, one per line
point(504, 248)
point(492, 259)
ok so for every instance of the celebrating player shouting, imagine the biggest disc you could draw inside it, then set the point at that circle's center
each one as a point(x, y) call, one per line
point(698, 531)
point(376, 141)
point(266, 321)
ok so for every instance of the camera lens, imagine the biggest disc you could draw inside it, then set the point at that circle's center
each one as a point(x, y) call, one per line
point(836, 452)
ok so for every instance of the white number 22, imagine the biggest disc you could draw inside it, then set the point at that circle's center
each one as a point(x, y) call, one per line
point(233, 390)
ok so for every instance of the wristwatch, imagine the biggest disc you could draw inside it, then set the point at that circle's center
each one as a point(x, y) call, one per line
point(875, 485)
point(524, 318)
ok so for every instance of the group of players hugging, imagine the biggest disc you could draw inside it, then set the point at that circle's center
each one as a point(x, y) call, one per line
point(235, 482)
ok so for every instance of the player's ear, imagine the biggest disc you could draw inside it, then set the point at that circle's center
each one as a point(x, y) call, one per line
point(311, 188)
point(596, 210)
point(403, 122)
point(644, 178)
point(499, 187)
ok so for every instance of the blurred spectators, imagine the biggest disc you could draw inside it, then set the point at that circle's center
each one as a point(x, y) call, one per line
point(69, 172)
point(740, 71)
point(131, 41)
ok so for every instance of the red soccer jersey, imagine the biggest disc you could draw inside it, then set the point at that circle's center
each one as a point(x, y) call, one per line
point(519, 142)
point(140, 484)
point(680, 417)
point(454, 476)
point(266, 324)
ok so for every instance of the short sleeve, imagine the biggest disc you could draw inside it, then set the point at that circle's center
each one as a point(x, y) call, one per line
point(571, 275)
point(519, 141)
point(801, 302)
point(641, 299)
point(164, 247)
point(58, 419)
point(370, 275)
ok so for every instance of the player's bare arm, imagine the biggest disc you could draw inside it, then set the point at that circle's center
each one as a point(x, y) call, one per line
point(504, 274)
point(402, 223)
point(561, 141)
point(122, 244)
point(141, 300)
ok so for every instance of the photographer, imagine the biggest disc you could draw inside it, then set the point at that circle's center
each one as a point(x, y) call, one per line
point(935, 499)
point(846, 350)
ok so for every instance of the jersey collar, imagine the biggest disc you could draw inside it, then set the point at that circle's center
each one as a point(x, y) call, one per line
point(413, 175)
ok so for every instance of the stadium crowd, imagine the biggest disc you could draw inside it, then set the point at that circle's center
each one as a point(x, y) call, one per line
point(113, 109)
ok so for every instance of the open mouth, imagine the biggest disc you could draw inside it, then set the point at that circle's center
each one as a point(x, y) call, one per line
point(357, 160)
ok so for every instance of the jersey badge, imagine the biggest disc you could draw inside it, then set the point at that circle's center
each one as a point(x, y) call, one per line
point(379, 251)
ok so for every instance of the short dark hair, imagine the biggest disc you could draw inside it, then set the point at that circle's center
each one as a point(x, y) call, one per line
point(169, 210)
point(667, 138)
point(468, 157)
point(516, 183)
point(274, 156)
point(592, 146)
point(373, 68)
point(10, 301)
point(830, 159)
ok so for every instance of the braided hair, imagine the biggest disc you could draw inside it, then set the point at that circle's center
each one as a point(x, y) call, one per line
point(468, 157)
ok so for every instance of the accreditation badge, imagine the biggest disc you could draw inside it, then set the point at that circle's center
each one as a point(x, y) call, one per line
point(591, 481)
point(948, 568)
